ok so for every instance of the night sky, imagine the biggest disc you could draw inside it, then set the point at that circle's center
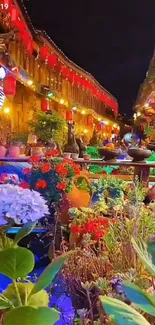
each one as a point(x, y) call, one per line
point(111, 39)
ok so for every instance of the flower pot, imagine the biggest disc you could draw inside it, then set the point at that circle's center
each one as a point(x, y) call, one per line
point(86, 157)
point(2, 151)
point(67, 155)
point(77, 198)
point(139, 154)
point(75, 155)
point(14, 152)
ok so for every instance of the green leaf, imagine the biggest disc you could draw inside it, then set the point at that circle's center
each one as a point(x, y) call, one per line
point(151, 250)
point(121, 313)
point(5, 303)
point(142, 252)
point(27, 315)
point(143, 300)
point(49, 274)
point(24, 231)
point(5, 242)
point(16, 262)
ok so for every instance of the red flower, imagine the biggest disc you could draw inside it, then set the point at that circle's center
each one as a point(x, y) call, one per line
point(68, 161)
point(45, 168)
point(75, 229)
point(24, 185)
point(41, 184)
point(27, 171)
point(53, 153)
point(61, 170)
point(34, 159)
point(61, 186)
point(76, 169)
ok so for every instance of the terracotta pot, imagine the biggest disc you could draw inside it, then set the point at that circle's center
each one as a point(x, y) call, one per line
point(67, 155)
point(75, 155)
point(2, 151)
point(87, 157)
point(14, 152)
point(75, 199)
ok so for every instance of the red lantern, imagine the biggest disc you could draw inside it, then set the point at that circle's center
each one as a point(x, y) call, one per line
point(71, 76)
point(52, 60)
point(9, 85)
point(99, 127)
point(90, 120)
point(20, 25)
point(44, 52)
point(69, 116)
point(14, 13)
point(65, 72)
point(6, 5)
point(44, 105)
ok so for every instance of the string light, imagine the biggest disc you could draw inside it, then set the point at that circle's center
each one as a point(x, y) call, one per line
point(99, 119)
point(6, 110)
point(85, 131)
point(62, 101)
point(74, 108)
point(83, 112)
point(29, 82)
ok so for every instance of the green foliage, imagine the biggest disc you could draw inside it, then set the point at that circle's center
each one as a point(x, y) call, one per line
point(142, 251)
point(27, 315)
point(49, 274)
point(26, 303)
point(49, 126)
point(152, 157)
point(40, 299)
point(93, 152)
point(121, 313)
point(16, 262)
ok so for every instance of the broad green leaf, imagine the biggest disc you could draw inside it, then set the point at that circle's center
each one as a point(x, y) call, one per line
point(142, 252)
point(151, 250)
point(24, 231)
point(16, 262)
point(27, 315)
point(40, 299)
point(5, 303)
point(49, 274)
point(121, 313)
point(143, 300)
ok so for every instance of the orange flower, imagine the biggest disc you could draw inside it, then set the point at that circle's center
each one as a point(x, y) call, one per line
point(61, 186)
point(45, 168)
point(24, 185)
point(34, 159)
point(41, 184)
point(27, 171)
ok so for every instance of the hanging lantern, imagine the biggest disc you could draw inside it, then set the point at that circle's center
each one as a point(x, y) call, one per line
point(14, 13)
point(99, 127)
point(6, 5)
point(69, 116)
point(65, 72)
point(44, 105)
point(44, 52)
point(90, 120)
point(52, 60)
point(20, 25)
point(9, 85)
point(71, 76)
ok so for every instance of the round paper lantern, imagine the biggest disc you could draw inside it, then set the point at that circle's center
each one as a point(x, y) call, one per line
point(44, 105)
point(9, 85)
point(69, 116)
point(52, 60)
point(6, 5)
point(44, 52)
point(20, 25)
point(90, 120)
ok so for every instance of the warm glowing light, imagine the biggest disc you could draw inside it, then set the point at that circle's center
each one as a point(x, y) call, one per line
point(85, 131)
point(99, 119)
point(74, 108)
point(6, 110)
point(62, 101)
point(83, 112)
point(2, 73)
point(134, 116)
point(29, 82)
point(138, 114)
point(146, 105)
point(114, 125)
point(106, 122)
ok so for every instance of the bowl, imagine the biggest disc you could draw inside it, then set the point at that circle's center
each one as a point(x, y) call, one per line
point(75, 156)
point(151, 146)
point(109, 154)
point(139, 154)
point(67, 155)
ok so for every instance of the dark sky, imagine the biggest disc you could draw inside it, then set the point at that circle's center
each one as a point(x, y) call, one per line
point(112, 39)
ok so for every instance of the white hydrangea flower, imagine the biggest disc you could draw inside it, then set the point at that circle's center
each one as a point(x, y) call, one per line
point(21, 205)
